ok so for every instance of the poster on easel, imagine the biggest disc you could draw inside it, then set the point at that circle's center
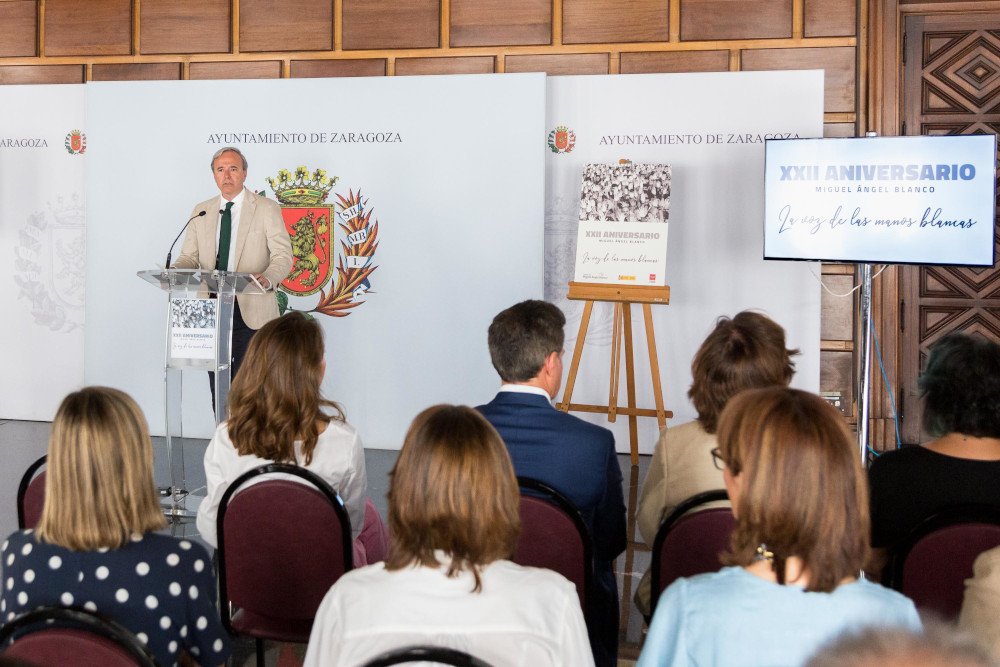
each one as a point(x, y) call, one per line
point(622, 236)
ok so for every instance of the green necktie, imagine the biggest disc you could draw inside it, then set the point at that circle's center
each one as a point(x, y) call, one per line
point(224, 236)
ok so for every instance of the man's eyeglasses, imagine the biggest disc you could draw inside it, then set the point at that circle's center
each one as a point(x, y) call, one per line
point(717, 459)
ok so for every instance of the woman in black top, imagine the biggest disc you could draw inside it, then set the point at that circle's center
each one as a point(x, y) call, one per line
point(961, 392)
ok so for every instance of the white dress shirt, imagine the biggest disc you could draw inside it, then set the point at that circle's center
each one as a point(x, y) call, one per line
point(523, 616)
point(339, 458)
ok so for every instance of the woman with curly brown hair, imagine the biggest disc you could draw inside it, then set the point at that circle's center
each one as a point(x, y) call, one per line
point(801, 505)
point(746, 351)
point(277, 413)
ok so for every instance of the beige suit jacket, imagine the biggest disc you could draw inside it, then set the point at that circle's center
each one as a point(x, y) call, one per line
point(981, 606)
point(262, 246)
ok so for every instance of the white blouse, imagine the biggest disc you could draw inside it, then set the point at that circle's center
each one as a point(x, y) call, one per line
point(523, 616)
point(339, 458)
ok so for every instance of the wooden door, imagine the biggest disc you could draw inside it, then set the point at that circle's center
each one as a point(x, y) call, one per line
point(951, 85)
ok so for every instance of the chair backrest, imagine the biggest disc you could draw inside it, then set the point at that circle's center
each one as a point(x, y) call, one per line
point(282, 543)
point(554, 535)
point(433, 654)
point(931, 565)
point(31, 495)
point(690, 540)
point(59, 636)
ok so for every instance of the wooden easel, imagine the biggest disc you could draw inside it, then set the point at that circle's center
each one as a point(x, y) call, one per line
point(622, 296)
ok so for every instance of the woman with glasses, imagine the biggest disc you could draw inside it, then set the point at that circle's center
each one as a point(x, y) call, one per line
point(800, 500)
point(745, 352)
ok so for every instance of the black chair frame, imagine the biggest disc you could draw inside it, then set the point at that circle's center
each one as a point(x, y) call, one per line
point(955, 515)
point(41, 619)
point(683, 508)
point(22, 488)
point(271, 468)
point(445, 656)
point(545, 492)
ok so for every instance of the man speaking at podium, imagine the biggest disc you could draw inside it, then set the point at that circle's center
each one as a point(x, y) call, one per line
point(239, 231)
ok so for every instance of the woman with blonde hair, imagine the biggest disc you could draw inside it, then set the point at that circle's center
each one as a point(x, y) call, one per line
point(277, 413)
point(454, 515)
point(96, 545)
point(800, 499)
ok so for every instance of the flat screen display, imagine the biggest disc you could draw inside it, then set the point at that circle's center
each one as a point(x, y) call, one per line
point(906, 200)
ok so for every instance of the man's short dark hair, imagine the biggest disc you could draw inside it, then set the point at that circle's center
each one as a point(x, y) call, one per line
point(961, 387)
point(521, 337)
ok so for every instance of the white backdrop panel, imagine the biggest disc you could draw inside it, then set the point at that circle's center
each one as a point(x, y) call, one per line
point(43, 236)
point(459, 201)
point(710, 128)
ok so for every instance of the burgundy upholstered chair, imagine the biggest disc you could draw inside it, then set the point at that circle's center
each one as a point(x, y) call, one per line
point(57, 636)
point(690, 540)
point(282, 545)
point(554, 536)
point(31, 495)
point(931, 565)
point(426, 654)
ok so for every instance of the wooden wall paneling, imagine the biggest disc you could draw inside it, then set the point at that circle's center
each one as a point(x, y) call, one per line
point(830, 18)
point(91, 28)
point(735, 19)
point(286, 25)
point(329, 68)
point(185, 26)
point(18, 28)
point(831, 130)
point(401, 24)
point(674, 61)
point(457, 65)
point(571, 63)
point(837, 375)
point(135, 71)
point(597, 21)
point(261, 69)
point(500, 22)
point(837, 312)
point(837, 62)
point(41, 74)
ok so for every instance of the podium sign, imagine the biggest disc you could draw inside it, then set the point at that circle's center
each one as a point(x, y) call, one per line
point(198, 338)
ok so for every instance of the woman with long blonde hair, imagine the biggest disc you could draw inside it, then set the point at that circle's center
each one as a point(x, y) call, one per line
point(277, 413)
point(96, 544)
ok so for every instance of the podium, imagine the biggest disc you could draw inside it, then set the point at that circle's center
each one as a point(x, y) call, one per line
point(198, 338)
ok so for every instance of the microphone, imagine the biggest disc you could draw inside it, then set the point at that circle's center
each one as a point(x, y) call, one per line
point(171, 251)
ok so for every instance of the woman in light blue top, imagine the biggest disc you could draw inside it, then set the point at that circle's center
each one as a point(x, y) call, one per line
point(801, 503)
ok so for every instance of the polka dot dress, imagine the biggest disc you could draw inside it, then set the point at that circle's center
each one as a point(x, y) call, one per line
point(159, 587)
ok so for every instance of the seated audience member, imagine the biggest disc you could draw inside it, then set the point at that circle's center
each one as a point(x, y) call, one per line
point(961, 393)
point(801, 504)
point(939, 645)
point(981, 607)
point(276, 414)
point(96, 544)
point(454, 514)
point(745, 352)
point(572, 456)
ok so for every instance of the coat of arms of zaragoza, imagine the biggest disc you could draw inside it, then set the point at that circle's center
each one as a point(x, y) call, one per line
point(310, 221)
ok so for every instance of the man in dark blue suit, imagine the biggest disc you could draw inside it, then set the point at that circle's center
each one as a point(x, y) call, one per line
point(573, 456)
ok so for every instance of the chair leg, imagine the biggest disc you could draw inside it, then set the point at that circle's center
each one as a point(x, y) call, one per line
point(260, 652)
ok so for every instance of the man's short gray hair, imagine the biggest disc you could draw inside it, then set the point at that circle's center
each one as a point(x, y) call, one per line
point(228, 149)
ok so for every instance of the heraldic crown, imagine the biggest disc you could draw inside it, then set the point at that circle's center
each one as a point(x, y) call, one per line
point(299, 190)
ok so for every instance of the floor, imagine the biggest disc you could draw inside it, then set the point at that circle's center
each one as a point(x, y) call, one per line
point(23, 442)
